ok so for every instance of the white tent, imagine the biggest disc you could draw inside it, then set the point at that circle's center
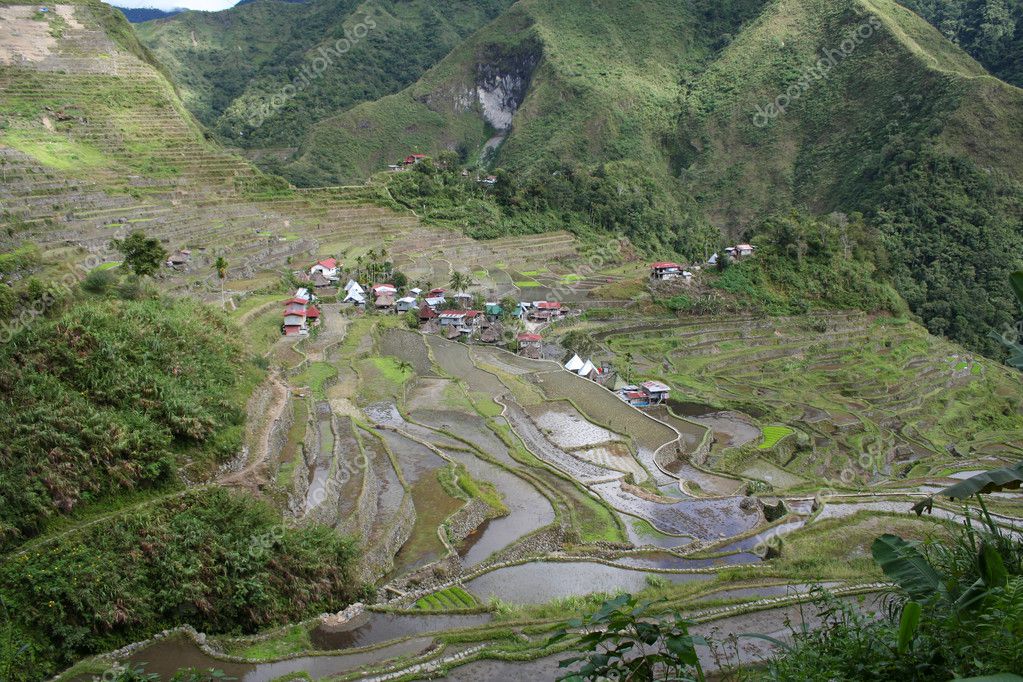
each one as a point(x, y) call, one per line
point(356, 295)
point(575, 364)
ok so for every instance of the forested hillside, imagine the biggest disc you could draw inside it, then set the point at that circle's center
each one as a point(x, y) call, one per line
point(990, 30)
point(231, 66)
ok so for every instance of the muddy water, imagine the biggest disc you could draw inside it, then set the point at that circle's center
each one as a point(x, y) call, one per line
point(670, 561)
point(566, 428)
point(416, 460)
point(375, 628)
point(528, 510)
point(540, 582)
point(168, 656)
point(731, 429)
point(467, 426)
point(537, 443)
point(688, 409)
point(692, 433)
point(754, 540)
point(320, 471)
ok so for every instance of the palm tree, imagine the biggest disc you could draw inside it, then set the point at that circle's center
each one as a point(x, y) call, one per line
point(220, 265)
point(460, 282)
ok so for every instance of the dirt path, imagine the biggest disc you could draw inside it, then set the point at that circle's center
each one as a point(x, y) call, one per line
point(253, 475)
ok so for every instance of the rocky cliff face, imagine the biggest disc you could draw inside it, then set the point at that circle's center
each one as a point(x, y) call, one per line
point(502, 84)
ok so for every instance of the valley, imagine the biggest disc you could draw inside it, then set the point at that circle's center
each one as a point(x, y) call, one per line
point(190, 480)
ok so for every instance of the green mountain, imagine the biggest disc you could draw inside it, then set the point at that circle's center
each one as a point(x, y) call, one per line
point(234, 68)
point(685, 101)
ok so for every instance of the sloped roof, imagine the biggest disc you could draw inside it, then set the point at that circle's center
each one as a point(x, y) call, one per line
point(575, 364)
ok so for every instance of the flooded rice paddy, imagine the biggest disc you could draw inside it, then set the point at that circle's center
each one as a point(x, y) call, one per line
point(167, 656)
point(541, 581)
point(374, 628)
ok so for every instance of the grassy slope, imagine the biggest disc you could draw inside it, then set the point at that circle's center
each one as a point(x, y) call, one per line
point(229, 62)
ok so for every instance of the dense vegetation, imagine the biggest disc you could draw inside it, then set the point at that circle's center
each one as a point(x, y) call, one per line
point(948, 227)
point(801, 263)
point(990, 30)
point(219, 561)
point(112, 396)
point(588, 201)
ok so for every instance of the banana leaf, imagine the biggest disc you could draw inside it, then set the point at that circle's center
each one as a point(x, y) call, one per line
point(1016, 280)
point(1005, 478)
point(903, 563)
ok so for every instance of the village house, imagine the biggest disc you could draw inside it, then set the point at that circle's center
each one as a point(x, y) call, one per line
point(299, 315)
point(462, 300)
point(384, 301)
point(489, 180)
point(427, 314)
point(545, 311)
point(655, 391)
point(405, 304)
point(383, 289)
point(492, 332)
point(493, 310)
point(668, 271)
point(179, 259)
point(413, 159)
point(435, 301)
point(530, 345)
point(326, 268)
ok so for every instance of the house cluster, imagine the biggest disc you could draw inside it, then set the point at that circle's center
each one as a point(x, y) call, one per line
point(300, 315)
point(645, 394)
point(737, 252)
point(325, 273)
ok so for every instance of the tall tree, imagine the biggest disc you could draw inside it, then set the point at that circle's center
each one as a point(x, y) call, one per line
point(220, 265)
point(142, 254)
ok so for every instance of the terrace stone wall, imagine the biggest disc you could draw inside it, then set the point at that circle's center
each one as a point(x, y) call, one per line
point(467, 519)
point(379, 559)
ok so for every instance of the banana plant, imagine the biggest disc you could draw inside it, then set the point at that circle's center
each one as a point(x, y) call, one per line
point(907, 567)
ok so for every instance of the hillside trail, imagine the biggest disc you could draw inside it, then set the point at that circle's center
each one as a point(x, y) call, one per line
point(253, 476)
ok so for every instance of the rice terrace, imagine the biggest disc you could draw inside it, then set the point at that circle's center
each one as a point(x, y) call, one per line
point(424, 384)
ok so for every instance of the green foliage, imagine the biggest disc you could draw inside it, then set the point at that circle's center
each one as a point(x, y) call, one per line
point(990, 30)
point(110, 396)
point(453, 597)
point(142, 254)
point(222, 562)
point(624, 641)
point(962, 607)
point(830, 262)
